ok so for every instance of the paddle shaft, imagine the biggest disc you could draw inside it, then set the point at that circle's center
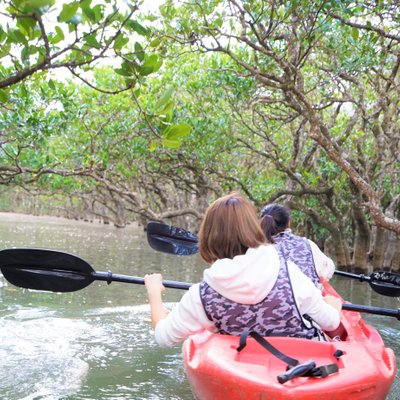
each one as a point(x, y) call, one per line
point(360, 277)
point(110, 277)
point(389, 312)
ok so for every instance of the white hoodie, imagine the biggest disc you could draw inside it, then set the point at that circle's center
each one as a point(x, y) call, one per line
point(245, 279)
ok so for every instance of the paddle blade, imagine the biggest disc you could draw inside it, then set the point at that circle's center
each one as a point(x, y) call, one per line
point(45, 270)
point(386, 289)
point(387, 277)
point(172, 240)
point(385, 283)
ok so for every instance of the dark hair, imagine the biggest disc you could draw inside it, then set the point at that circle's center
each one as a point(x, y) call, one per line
point(230, 226)
point(274, 219)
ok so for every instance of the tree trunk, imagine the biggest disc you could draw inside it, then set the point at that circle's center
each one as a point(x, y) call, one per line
point(378, 248)
point(396, 256)
point(392, 255)
point(362, 231)
point(342, 256)
point(360, 253)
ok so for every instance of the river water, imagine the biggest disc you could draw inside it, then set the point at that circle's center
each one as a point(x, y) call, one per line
point(97, 343)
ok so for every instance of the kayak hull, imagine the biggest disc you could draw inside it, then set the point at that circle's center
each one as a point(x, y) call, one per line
point(215, 369)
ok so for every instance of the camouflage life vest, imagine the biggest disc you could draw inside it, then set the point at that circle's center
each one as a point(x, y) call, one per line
point(276, 315)
point(298, 250)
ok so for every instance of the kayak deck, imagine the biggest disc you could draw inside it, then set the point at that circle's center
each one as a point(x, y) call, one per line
point(216, 370)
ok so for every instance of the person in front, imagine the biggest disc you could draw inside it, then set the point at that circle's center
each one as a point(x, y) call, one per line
point(248, 287)
point(276, 224)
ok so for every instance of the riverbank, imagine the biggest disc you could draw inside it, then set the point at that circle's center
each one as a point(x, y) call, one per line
point(16, 217)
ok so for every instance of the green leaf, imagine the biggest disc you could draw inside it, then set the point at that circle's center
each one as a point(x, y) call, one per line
point(120, 42)
point(16, 36)
point(126, 69)
point(68, 11)
point(24, 91)
point(89, 14)
point(98, 12)
point(59, 35)
point(164, 98)
point(153, 146)
point(123, 72)
point(155, 43)
point(144, 71)
point(178, 132)
point(172, 144)
point(25, 55)
point(52, 85)
point(138, 28)
point(354, 33)
point(151, 64)
point(85, 3)
point(167, 115)
point(38, 4)
point(3, 35)
point(139, 51)
point(136, 93)
point(4, 95)
point(92, 41)
point(94, 14)
point(27, 26)
point(35, 6)
point(33, 49)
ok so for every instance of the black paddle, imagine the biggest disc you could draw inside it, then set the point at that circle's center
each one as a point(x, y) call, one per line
point(172, 240)
point(56, 271)
point(178, 241)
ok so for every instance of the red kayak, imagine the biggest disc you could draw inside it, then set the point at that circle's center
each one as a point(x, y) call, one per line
point(364, 367)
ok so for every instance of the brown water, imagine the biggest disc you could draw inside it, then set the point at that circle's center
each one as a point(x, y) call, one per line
point(97, 343)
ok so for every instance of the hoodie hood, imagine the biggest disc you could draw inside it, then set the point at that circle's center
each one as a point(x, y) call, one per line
point(247, 278)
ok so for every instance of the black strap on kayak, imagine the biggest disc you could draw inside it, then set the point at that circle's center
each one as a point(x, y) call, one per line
point(294, 369)
point(267, 345)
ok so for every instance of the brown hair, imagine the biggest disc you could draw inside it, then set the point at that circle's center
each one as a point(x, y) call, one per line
point(230, 226)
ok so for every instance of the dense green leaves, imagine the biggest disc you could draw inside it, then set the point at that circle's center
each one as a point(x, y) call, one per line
point(292, 101)
point(45, 35)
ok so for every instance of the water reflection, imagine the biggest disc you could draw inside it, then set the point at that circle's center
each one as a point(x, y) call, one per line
point(96, 343)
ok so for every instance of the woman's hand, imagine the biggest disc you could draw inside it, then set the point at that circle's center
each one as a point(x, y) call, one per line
point(154, 288)
point(153, 283)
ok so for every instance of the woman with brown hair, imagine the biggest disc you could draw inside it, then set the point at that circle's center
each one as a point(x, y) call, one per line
point(248, 287)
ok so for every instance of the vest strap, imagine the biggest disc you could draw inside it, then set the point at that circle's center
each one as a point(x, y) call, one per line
point(317, 332)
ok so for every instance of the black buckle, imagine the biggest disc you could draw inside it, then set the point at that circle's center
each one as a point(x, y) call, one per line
point(324, 370)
